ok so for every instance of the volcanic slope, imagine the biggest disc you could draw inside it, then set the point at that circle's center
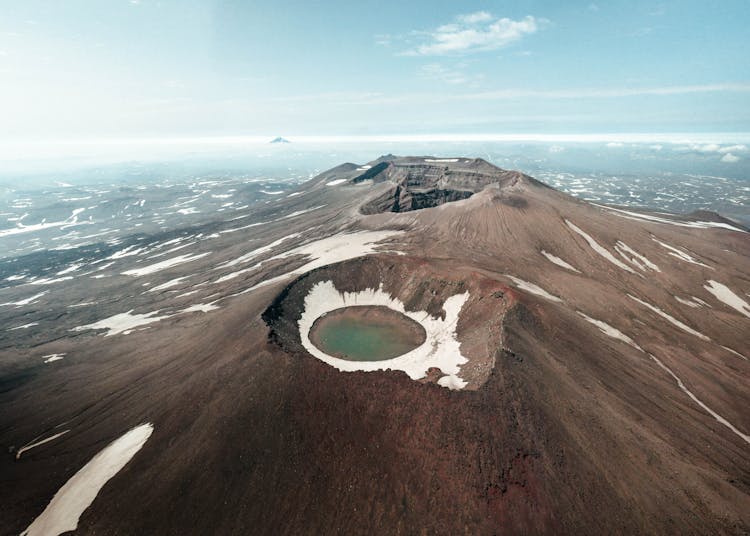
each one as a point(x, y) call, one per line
point(585, 369)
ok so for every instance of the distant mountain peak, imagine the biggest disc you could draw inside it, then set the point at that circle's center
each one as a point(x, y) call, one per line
point(279, 139)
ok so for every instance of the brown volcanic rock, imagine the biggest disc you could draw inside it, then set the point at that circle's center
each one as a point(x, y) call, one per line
point(563, 429)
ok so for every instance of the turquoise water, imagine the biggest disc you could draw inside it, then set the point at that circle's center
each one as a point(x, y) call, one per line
point(365, 338)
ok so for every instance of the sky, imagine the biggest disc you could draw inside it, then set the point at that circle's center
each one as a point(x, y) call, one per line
point(113, 69)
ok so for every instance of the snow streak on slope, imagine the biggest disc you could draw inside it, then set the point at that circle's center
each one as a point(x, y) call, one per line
point(35, 443)
point(558, 261)
point(673, 320)
point(657, 219)
point(77, 494)
point(534, 289)
point(634, 257)
point(675, 252)
point(715, 415)
point(610, 331)
point(153, 268)
point(599, 249)
point(617, 334)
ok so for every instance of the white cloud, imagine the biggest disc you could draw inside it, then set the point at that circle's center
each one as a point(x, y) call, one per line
point(733, 149)
point(475, 18)
point(712, 148)
point(577, 93)
point(708, 148)
point(729, 158)
point(556, 148)
point(614, 144)
point(449, 75)
point(475, 32)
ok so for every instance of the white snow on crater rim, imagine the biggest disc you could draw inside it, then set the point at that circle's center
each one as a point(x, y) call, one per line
point(78, 493)
point(336, 182)
point(441, 349)
point(724, 294)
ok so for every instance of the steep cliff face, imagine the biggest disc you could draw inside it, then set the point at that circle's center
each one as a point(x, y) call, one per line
point(417, 183)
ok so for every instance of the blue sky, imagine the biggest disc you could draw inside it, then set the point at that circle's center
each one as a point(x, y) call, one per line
point(98, 69)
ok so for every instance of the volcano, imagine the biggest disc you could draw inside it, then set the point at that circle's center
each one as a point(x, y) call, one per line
point(577, 368)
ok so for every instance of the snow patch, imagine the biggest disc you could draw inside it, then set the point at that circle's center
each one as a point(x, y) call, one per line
point(157, 267)
point(635, 258)
point(689, 302)
point(735, 352)
point(168, 284)
point(257, 252)
point(24, 326)
point(49, 358)
point(725, 295)
point(201, 307)
point(680, 254)
point(300, 212)
point(26, 301)
point(558, 261)
point(534, 289)
point(610, 331)
point(330, 250)
point(35, 443)
point(123, 323)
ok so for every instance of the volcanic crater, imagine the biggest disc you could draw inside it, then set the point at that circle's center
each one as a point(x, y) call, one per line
point(444, 323)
